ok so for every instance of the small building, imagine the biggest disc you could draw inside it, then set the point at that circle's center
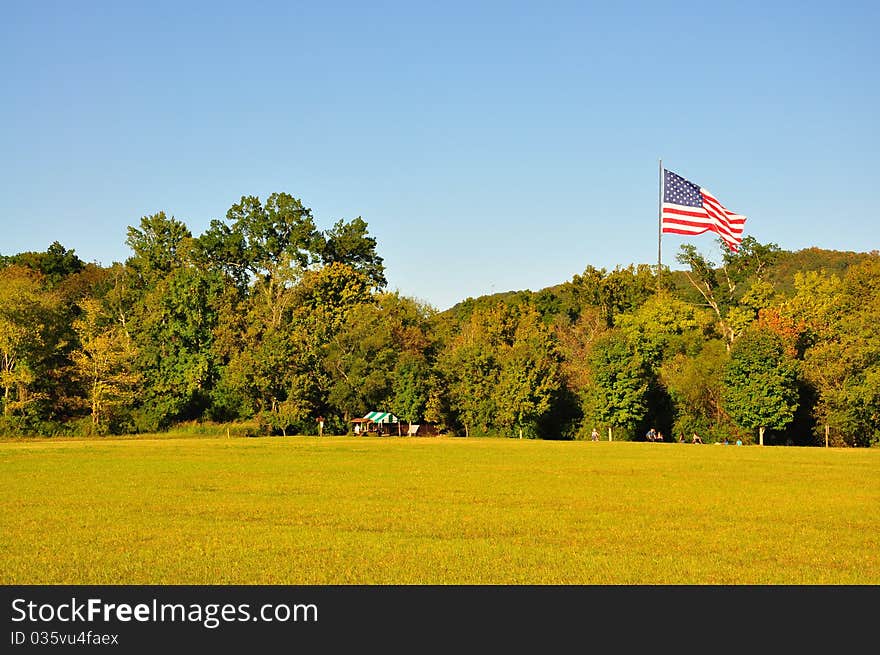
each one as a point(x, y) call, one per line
point(378, 423)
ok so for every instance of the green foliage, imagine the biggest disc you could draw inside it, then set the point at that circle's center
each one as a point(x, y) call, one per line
point(614, 293)
point(411, 385)
point(529, 378)
point(617, 394)
point(752, 260)
point(28, 321)
point(173, 329)
point(265, 318)
point(663, 326)
point(843, 363)
point(348, 243)
point(379, 356)
point(257, 239)
point(501, 370)
point(159, 246)
point(738, 289)
point(789, 265)
point(695, 384)
point(760, 382)
point(104, 363)
point(55, 265)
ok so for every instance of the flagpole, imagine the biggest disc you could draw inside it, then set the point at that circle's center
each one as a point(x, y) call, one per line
point(659, 226)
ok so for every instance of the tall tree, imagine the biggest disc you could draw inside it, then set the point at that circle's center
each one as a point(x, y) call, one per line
point(56, 264)
point(530, 377)
point(661, 329)
point(174, 331)
point(257, 239)
point(617, 394)
point(761, 382)
point(721, 287)
point(663, 326)
point(471, 366)
point(159, 246)
point(27, 314)
point(695, 383)
point(614, 293)
point(843, 358)
point(379, 358)
point(105, 362)
point(349, 243)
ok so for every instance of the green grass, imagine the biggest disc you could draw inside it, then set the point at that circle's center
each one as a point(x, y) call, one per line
point(345, 510)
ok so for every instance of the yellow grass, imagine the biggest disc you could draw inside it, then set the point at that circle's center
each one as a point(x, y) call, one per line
point(345, 510)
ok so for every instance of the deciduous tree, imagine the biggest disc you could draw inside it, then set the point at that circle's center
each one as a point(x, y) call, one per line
point(105, 363)
point(760, 382)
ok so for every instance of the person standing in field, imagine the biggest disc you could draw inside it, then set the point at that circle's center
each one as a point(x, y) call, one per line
point(696, 438)
point(594, 435)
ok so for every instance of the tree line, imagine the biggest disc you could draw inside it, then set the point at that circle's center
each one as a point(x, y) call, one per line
point(268, 321)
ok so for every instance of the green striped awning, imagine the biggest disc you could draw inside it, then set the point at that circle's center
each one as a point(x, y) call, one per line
point(382, 417)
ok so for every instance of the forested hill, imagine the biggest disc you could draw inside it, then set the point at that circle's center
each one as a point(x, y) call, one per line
point(266, 322)
point(780, 272)
point(767, 345)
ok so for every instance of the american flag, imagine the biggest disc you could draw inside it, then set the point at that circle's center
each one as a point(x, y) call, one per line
point(690, 209)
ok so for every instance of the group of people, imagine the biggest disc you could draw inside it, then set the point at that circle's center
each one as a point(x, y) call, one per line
point(654, 435)
point(695, 438)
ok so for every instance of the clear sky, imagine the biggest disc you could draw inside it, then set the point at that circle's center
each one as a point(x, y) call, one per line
point(490, 146)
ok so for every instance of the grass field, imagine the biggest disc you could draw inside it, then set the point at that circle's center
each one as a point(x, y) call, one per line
point(345, 510)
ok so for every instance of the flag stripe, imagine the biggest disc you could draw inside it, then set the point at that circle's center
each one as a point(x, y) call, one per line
point(698, 227)
point(670, 230)
point(674, 214)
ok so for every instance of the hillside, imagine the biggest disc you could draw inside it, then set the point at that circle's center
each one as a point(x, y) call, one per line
point(551, 300)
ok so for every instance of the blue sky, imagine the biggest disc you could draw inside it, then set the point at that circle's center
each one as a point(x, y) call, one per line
point(490, 146)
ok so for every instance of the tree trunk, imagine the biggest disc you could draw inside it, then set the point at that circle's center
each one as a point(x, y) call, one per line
point(826, 436)
point(8, 369)
point(520, 433)
point(761, 435)
point(95, 402)
point(466, 431)
point(609, 433)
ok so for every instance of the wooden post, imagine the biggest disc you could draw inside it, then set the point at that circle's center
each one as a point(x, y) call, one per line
point(827, 428)
point(609, 433)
